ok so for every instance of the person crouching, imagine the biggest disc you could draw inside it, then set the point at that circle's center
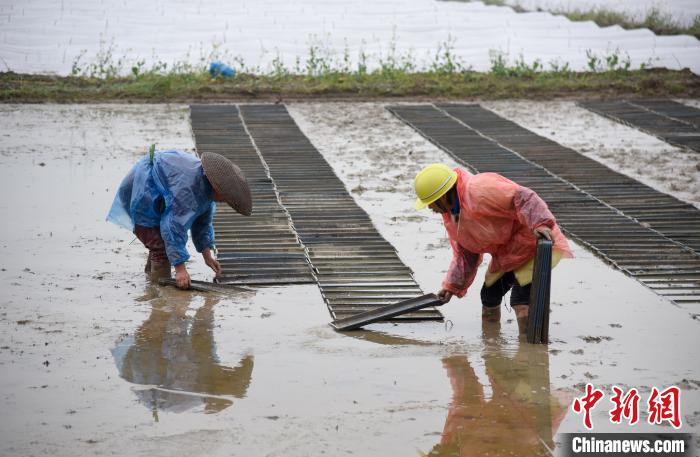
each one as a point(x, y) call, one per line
point(168, 193)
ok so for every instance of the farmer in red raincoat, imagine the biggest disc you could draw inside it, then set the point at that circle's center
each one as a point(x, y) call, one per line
point(488, 213)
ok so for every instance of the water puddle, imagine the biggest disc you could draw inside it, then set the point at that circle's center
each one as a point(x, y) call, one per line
point(516, 413)
point(174, 356)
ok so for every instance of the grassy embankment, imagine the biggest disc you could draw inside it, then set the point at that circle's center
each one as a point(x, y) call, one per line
point(654, 19)
point(16, 88)
point(322, 78)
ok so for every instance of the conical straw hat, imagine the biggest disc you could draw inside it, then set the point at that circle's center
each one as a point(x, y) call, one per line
point(229, 181)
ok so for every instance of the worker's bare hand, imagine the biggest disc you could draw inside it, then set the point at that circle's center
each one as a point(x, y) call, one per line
point(214, 265)
point(182, 277)
point(543, 232)
point(211, 262)
point(444, 295)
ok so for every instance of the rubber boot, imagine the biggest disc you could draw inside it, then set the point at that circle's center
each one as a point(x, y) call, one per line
point(490, 330)
point(491, 313)
point(160, 270)
point(521, 314)
point(147, 269)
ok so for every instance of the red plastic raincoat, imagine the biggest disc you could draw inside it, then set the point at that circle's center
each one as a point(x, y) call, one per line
point(497, 216)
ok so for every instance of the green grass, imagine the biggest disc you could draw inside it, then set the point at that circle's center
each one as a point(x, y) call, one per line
point(655, 20)
point(199, 86)
point(322, 75)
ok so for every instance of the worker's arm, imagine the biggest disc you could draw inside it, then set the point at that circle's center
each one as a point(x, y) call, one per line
point(203, 230)
point(175, 238)
point(174, 233)
point(460, 274)
point(203, 238)
point(533, 212)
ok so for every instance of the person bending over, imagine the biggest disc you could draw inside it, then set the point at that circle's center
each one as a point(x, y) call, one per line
point(488, 213)
point(168, 193)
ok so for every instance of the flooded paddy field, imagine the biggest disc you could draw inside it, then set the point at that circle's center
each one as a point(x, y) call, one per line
point(656, 163)
point(96, 359)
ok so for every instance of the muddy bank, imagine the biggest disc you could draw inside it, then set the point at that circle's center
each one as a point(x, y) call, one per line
point(198, 87)
point(95, 360)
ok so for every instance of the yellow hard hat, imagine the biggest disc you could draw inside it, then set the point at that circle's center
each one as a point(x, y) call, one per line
point(432, 182)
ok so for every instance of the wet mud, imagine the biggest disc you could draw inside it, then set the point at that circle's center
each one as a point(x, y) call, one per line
point(667, 168)
point(97, 359)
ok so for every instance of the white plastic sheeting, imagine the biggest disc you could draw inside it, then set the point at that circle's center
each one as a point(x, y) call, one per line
point(682, 11)
point(47, 36)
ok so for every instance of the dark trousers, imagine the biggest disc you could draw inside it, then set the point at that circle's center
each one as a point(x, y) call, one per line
point(492, 296)
point(150, 237)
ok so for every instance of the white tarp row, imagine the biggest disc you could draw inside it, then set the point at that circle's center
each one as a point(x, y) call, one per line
point(48, 36)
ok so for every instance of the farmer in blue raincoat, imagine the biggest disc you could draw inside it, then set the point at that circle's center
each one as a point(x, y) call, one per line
point(168, 193)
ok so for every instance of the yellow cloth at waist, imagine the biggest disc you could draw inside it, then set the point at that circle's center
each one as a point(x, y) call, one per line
point(522, 274)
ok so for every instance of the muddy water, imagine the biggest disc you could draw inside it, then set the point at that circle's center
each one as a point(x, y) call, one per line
point(95, 359)
point(636, 333)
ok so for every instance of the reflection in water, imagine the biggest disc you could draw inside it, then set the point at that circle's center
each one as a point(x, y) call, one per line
point(518, 418)
point(377, 337)
point(176, 353)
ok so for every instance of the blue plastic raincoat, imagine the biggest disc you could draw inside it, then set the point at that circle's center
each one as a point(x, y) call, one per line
point(169, 191)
